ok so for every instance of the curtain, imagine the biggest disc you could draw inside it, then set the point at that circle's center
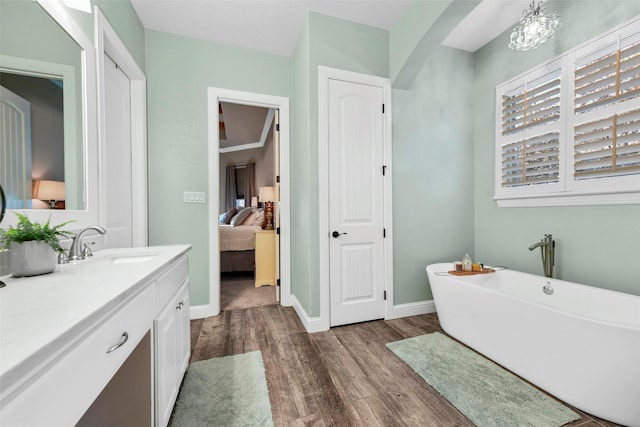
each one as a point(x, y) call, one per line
point(249, 183)
point(230, 188)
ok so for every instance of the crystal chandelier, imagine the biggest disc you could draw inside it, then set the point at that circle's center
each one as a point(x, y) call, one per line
point(534, 27)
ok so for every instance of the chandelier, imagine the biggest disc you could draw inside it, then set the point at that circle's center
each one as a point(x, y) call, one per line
point(534, 27)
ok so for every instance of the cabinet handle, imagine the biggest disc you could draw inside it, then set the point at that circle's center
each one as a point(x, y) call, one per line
point(123, 339)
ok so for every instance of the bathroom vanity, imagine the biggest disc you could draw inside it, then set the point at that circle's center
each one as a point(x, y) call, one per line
point(103, 341)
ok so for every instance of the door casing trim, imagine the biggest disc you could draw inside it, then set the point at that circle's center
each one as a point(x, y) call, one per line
point(108, 42)
point(216, 95)
point(324, 75)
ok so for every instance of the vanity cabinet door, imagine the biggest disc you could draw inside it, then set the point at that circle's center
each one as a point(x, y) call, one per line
point(166, 330)
point(173, 338)
point(184, 339)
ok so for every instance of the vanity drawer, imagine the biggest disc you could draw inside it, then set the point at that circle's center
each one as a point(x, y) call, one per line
point(170, 281)
point(65, 389)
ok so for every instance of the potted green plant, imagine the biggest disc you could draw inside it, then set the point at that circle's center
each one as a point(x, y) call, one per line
point(32, 246)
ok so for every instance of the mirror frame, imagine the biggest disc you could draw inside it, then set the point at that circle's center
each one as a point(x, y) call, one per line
point(91, 214)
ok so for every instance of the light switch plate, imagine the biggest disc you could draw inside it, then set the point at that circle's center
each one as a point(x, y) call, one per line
point(194, 197)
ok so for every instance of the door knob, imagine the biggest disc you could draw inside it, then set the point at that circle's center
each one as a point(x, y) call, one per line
point(335, 234)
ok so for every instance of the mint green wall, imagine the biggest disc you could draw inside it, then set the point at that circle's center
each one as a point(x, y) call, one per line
point(432, 171)
point(27, 31)
point(409, 30)
point(335, 43)
point(596, 245)
point(179, 71)
point(301, 215)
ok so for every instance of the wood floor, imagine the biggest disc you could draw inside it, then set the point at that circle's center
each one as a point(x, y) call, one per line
point(343, 377)
point(238, 291)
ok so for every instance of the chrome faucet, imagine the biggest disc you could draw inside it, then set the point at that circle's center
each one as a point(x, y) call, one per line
point(547, 250)
point(75, 253)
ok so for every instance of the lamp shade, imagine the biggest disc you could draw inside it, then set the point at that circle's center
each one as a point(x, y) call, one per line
point(48, 190)
point(266, 194)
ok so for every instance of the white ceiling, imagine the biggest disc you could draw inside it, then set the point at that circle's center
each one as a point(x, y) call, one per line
point(267, 25)
point(274, 25)
point(487, 21)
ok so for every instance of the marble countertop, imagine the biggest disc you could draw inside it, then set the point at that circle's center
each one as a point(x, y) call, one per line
point(41, 316)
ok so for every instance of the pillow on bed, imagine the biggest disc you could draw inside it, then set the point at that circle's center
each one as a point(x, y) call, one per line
point(223, 218)
point(256, 218)
point(230, 214)
point(239, 218)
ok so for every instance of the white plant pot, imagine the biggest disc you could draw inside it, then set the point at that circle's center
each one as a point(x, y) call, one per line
point(31, 258)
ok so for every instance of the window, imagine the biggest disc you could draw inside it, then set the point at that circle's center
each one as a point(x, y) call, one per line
point(240, 173)
point(568, 132)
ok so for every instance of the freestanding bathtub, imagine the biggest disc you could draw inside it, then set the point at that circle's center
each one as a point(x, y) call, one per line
point(579, 343)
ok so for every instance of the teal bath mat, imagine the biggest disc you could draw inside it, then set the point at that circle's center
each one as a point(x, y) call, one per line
point(224, 391)
point(484, 392)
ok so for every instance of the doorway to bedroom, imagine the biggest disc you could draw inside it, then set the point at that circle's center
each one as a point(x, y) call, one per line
point(248, 139)
point(248, 200)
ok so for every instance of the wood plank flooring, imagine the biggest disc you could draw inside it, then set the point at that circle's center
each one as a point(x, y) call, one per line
point(343, 377)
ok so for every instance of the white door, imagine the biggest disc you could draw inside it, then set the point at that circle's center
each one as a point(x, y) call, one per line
point(118, 156)
point(15, 149)
point(356, 255)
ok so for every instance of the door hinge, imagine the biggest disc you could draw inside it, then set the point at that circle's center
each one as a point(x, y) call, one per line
point(278, 282)
point(382, 108)
point(277, 230)
point(385, 295)
point(277, 127)
point(278, 178)
point(384, 170)
point(384, 232)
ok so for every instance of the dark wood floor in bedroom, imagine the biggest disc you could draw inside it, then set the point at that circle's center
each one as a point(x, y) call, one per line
point(343, 377)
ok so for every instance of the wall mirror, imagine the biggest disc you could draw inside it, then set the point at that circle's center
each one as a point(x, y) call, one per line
point(48, 104)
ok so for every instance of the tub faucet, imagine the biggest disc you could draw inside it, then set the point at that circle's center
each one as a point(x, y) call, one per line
point(75, 253)
point(547, 250)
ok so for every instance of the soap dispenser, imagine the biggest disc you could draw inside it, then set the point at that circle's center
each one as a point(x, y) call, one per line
point(466, 263)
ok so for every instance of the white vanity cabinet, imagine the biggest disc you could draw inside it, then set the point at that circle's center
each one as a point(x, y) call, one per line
point(61, 393)
point(172, 342)
point(96, 343)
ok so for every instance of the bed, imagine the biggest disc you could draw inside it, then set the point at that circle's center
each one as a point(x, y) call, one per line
point(237, 247)
point(238, 241)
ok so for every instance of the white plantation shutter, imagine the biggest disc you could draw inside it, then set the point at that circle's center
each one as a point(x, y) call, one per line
point(607, 110)
point(608, 147)
point(570, 129)
point(531, 161)
point(530, 130)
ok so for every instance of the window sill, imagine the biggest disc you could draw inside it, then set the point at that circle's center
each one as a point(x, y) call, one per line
point(569, 199)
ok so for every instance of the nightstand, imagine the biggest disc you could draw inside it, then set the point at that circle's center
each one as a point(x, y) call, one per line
point(265, 258)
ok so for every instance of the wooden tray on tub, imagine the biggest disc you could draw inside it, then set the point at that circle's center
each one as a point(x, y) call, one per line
point(471, 273)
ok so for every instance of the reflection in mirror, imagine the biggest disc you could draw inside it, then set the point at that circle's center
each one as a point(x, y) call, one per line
point(41, 103)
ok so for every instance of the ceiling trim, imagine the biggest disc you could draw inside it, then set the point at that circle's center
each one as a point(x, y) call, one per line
point(259, 144)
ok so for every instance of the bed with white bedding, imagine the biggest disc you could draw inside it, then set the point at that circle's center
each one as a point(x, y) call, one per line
point(238, 240)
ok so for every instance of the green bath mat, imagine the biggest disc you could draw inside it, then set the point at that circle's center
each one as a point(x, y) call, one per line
point(224, 391)
point(484, 392)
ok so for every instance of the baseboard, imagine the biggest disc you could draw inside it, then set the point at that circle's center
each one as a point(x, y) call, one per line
point(315, 324)
point(411, 309)
point(311, 324)
point(201, 311)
